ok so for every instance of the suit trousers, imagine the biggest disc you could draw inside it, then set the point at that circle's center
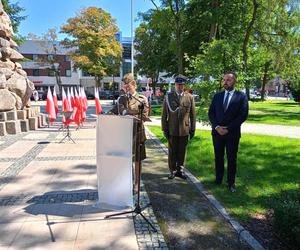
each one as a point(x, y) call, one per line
point(177, 148)
point(231, 144)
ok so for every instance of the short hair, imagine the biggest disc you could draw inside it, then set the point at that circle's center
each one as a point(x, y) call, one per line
point(232, 73)
point(129, 78)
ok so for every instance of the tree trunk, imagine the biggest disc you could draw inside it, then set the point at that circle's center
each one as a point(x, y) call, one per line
point(246, 41)
point(178, 34)
point(213, 26)
point(265, 80)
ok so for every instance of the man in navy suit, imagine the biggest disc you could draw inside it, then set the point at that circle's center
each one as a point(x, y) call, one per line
point(227, 112)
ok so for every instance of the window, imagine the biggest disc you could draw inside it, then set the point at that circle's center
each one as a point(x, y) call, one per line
point(68, 73)
point(35, 57)
point(51, 72)
point(85, 73)
point(36, 72)
point(50, 57)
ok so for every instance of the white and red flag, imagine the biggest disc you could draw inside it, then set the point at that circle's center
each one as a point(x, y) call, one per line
point(50, 109)
point(78, 107)
point(65, 101)
point(72, 98)
point(66, 107)
point(55, 101)
point(97, 102)
point(83, 104)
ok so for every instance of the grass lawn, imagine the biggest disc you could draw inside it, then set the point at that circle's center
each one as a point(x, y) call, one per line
point(268, 112)
point(267, 165)
point(275, 112)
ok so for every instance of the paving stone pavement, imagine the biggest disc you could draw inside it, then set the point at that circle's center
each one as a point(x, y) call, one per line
point(48, 192)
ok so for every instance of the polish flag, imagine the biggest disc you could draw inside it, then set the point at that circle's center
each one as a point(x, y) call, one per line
point(85, 99)
point(50, 108)
point(55, 101)
point(66, 104)
point(78, 107)
point(97, 102)
point(72, 98)
point(69, 99)
point(83, 104)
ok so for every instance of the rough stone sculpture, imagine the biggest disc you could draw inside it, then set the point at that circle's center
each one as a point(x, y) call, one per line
point(15, 87)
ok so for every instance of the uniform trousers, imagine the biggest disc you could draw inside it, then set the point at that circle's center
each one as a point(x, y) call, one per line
point(177, 148)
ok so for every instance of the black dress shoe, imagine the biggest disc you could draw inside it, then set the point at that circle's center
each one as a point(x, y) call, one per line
point(232, 189)
point(171, 176)
point(181, 175)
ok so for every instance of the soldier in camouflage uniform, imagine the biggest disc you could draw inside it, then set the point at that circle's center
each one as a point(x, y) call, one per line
point(178, 124)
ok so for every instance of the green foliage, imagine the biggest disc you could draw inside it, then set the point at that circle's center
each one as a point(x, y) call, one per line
point(287, 216)
point(14, 10)
point(93, 36)
point(152, 40)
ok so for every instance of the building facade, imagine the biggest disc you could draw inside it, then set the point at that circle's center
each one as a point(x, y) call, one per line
point(47, 64)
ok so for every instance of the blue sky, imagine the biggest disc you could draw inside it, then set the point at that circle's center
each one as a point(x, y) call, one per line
point(45, 14)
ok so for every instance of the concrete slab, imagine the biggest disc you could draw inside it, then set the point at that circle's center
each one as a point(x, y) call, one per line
point(3, 116)
point(33, 123)
point(13, 127)
point(2, 129)
point(108, 243)
point(11, 115)
point(17, 149)
point(24, 125)
point(21, 114)
point(86, 148)
point(4, 165)
point(37, 136)
point(37, 234)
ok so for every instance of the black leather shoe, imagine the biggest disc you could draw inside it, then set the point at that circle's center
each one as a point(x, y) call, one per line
point(171, 176)
point(181, 175)
point(232, 189)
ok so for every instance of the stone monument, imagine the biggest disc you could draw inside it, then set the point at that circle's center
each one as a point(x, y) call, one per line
point(15, 87)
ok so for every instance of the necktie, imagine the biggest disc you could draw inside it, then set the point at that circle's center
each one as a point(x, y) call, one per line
point(225, 103)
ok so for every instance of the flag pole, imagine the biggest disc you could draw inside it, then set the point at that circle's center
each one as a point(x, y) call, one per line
point(132, 47)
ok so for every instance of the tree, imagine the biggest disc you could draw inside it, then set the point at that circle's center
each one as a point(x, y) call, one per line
point(152, 41)
point(13, 10)
point(49, 43)
point(92, 36)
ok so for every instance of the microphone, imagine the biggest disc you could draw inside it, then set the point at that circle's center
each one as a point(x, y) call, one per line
point(129, 96)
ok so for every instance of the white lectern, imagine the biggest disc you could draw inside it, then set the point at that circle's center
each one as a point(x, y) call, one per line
point(114, 160)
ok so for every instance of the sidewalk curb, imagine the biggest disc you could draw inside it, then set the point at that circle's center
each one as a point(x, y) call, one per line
point(242, 232)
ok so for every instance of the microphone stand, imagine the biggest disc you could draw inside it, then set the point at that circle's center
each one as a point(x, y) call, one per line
point(138, 209)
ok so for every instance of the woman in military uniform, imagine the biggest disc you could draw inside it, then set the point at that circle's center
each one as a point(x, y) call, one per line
point(128, 104)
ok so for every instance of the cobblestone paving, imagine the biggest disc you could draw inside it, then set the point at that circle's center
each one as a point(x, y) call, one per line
point(147, 239)
point(53, 197)
point(65, 158)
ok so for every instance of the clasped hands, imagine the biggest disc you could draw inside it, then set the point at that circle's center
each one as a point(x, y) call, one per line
point(222, 130)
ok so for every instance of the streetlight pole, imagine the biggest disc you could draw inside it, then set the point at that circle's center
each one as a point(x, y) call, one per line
point(132, 47)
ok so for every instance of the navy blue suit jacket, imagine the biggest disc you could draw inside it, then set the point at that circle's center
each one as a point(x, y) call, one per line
point(233, 117)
